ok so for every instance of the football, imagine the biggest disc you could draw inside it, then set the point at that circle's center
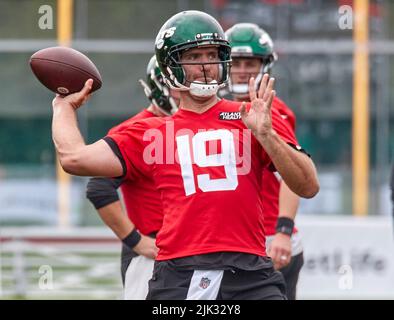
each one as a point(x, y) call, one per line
point(64, 70)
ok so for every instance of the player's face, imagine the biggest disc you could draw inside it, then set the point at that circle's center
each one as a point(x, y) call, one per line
point(201, 64)
point(243, 69)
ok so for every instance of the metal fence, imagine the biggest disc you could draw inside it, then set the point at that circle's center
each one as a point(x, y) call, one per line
point(42, 263)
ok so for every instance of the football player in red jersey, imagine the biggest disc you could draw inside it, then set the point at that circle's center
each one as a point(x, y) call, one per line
point(253, 55)
point(142, 201)
point(206, 162)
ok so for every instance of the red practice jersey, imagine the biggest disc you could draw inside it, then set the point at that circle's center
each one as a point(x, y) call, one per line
point(271, 183)
point(142, 201)
point(207, 168)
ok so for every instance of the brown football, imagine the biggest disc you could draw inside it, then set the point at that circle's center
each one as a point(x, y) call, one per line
point(64, 70)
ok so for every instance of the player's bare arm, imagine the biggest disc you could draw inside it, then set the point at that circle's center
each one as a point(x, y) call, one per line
point(75, 156)
point(296, 168)
point(280, 248)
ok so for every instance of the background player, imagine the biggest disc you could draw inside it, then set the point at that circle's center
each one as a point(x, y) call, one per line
point(142, 201)
point(253, 55)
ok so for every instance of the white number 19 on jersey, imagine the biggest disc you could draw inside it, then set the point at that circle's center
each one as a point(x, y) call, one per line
point(226, 159)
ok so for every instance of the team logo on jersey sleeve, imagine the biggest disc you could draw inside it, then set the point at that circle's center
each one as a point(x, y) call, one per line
point(229, 115)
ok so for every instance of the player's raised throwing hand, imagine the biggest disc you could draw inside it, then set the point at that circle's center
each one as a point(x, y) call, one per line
point(76, 99)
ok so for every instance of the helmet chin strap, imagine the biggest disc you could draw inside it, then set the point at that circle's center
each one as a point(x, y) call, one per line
point(147, 90)
point(174, 106)
point(196, 88)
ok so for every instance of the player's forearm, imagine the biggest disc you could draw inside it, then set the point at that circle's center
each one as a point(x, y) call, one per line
point(114, 217)
point(288, 202)
point(65, 133)
point(296, 168)
point(96, 159)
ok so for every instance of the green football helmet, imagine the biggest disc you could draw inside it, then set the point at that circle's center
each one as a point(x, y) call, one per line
point(187, 30)
point(156, 90)
point(248, 40)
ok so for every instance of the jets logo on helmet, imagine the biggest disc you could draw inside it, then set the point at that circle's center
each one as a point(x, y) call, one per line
point(162, 35)
point(248, 40)
point(265, 40)
point(156, 90)
point(187, 30)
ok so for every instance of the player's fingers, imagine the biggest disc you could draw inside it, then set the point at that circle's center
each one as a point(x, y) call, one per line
point(268, 90)
point(87, 87)
point(252, 89)
point(155, 251)
point(79, 98)
point(284, 258)
point(284, 263)
point(55, 99)
point(268, 104)
point(274, 254)
point(242, 109)
point(263, 85)
point(268, 251)
point(277, 264)
point(152, 254)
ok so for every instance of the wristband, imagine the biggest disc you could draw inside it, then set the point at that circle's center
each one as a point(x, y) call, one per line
point(285, 225)
point(132, 239)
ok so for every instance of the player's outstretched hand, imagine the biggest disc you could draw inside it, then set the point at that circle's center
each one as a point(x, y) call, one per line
point(75, 99)
point(258, 117)
point(146, 247)
point(280, 250)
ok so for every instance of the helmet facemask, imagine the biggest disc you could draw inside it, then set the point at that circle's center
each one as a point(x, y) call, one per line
point(177, 74)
